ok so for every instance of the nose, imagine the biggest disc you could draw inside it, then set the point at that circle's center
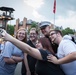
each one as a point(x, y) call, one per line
point(21, 34)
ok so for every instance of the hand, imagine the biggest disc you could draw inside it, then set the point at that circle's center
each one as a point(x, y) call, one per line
point(52, 59)
point(4, 35)
point(2, 32)
point(13, 57)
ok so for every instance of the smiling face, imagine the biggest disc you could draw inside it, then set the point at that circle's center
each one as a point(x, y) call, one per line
point(53, 36)
point(38, 45)
point(43, 43)
point(45, 30)
point(33, 35)
point(21, 35)
point(56, 36)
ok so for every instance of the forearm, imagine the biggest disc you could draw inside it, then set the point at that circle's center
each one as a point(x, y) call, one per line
point(17, 59)
point(26, 62)
point(9, 60)
point(69, 58)
point(24, 47)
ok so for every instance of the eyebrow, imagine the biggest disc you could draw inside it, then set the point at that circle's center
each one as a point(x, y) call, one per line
point(52, 33)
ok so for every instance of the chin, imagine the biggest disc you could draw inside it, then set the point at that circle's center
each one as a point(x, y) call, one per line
point(33, 39)
point(53, 41)
point(45, 34)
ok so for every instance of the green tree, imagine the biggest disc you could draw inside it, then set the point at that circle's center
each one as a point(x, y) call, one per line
point(68, 31)
point(33, 25)
point(10, 29)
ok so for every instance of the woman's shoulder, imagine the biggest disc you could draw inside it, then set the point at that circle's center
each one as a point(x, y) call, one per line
point(44, 51)
point(44, 54)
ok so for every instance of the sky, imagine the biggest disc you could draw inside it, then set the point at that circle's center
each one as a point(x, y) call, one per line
point(42, 10)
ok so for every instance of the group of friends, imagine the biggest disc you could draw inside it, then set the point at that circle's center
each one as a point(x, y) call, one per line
point(53, 54)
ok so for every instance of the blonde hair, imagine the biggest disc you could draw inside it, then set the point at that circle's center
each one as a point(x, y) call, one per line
point(34, 30)
point(51, 30)
point(21, 29)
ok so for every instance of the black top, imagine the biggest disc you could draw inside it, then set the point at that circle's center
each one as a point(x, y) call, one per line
point(31, 61)
point(44, 67)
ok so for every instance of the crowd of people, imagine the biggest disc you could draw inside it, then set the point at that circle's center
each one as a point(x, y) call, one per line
point(52, 54)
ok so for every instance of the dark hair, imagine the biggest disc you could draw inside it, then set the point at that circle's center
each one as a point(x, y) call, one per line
point(57, 31)
point(46, 44)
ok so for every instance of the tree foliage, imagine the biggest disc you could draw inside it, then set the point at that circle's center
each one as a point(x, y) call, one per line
point(33, 25)
point(68, 31)
point(10, 29)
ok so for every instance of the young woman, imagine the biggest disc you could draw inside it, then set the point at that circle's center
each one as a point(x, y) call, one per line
point(28, 65)
point(43, 67)
point(11, 54)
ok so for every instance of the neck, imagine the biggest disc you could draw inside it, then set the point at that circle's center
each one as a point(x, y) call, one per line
point(47, 36)
point(60, 39)
point(33, 41)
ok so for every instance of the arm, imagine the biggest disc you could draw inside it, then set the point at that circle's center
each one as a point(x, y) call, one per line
point(69, 58)
point(26, 61)
point(17, 58)
point(26, 64)
point(14, 59)
point(9, 60)
point(24, 47)
point(7, 54)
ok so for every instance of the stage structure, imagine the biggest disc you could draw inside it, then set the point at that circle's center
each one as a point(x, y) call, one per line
point(6, 14)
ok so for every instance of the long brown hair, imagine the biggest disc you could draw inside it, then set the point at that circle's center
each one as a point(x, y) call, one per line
point(25, 39)
point(46, 44)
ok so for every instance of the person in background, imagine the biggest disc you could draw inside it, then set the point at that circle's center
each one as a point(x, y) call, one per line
point(66, 52)
point(45, 29)
point(28, 66)
point(73, 39)
point(43, 66)
point(11, 54)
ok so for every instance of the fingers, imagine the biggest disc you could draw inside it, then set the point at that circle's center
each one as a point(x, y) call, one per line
point(49, 57)
point(2, 32)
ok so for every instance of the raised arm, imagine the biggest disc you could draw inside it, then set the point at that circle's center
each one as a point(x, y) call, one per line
point(23, 46)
